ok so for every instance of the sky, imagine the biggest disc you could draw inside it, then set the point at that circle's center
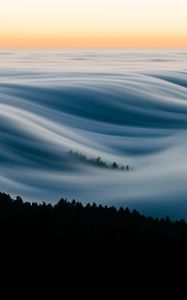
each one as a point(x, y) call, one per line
point(93, 23)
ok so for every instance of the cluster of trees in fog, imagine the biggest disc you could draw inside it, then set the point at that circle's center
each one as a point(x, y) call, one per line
point(97, 161)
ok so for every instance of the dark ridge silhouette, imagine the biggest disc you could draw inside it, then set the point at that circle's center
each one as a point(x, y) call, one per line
point(69, 239)
point(98, 162)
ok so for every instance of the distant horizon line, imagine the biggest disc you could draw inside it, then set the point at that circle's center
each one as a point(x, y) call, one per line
point(93, 48)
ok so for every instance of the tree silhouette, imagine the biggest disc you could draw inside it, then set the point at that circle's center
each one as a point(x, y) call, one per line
point(75, 238)
point(114, 165)
point(98, 162)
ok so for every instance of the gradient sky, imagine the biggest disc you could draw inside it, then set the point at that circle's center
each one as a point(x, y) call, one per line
point(93, 23)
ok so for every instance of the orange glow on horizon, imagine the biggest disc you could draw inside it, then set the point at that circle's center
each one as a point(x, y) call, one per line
point(93, 24)
point(41, 41)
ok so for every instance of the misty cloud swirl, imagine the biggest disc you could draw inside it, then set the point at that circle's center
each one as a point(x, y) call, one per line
point(124, 106)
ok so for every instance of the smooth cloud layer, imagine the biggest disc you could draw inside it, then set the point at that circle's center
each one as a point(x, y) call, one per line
point(124, 106)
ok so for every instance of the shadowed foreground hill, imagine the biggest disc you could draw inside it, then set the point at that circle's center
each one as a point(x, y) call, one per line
point(68, 238)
